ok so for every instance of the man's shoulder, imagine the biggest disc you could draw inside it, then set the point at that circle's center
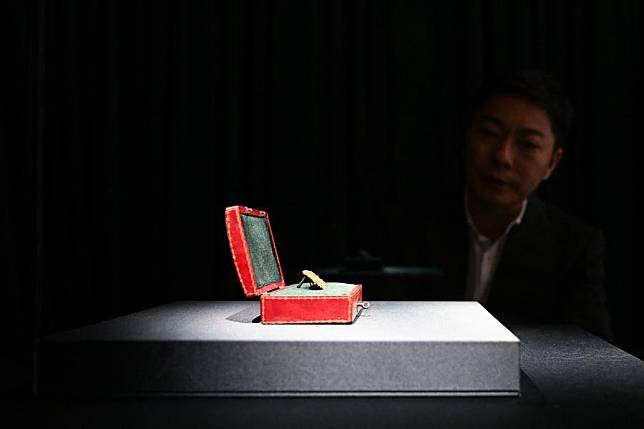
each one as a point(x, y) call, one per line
point(558, 260)
point(562, 225)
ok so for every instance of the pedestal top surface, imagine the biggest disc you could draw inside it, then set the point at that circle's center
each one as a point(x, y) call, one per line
point(388, 321)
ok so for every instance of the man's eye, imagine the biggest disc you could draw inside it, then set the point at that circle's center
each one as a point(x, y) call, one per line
point(488, 131)
point(528, 145)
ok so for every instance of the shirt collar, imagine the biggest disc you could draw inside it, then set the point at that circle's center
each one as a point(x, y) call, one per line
point(480, 237)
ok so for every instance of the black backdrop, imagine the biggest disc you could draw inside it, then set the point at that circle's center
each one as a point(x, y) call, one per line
point(127, 127)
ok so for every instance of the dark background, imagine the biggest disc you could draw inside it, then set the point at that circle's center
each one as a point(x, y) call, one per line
point(127, 127)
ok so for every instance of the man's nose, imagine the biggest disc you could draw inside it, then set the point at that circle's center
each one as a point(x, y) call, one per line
point(503, 155)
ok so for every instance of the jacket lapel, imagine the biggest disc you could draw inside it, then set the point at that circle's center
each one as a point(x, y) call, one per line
point(527, 261)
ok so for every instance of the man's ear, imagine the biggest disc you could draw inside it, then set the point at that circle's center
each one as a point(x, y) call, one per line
point(554, 161)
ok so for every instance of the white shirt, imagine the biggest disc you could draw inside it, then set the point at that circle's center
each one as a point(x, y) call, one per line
point(484, 256)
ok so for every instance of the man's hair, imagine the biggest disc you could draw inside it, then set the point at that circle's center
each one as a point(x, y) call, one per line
point(535, 86)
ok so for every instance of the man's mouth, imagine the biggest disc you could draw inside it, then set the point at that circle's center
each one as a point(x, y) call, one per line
point(498, 183)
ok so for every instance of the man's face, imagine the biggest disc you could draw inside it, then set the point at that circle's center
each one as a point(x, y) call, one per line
point(509, 151)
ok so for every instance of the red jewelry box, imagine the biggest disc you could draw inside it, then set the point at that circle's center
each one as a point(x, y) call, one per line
point(260, 273)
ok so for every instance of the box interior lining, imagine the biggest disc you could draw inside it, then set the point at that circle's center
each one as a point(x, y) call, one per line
point(332, 289)
point(262, 253)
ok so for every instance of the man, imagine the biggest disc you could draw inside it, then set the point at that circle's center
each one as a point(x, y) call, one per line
point(527, 260)
point(524, 260)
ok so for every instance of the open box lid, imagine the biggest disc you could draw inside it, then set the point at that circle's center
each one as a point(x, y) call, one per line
point(253, 248)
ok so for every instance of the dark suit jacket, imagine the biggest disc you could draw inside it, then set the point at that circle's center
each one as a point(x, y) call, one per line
point(551, 269)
